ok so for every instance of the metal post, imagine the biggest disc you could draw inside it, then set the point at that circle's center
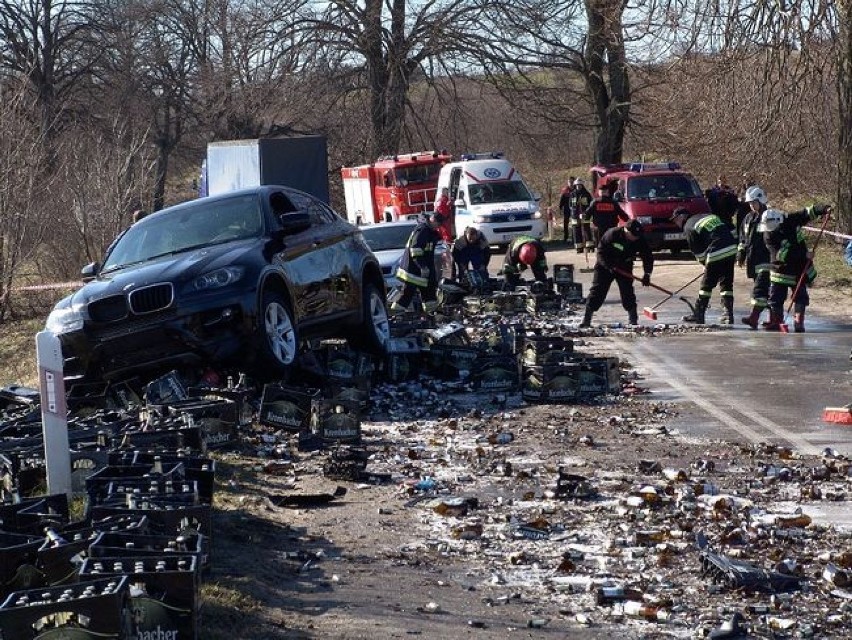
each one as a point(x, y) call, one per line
point(54, 413)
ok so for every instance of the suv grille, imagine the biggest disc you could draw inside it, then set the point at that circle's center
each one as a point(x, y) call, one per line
point(150, 299)
point(108, 309)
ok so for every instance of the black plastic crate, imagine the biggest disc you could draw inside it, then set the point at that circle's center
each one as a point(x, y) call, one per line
point(598, 376)
point(496, 373)
point(544, 303)
point(338, 421)
point(540, 350)
point(163, 593)
point(571, 291)
point(563, 273)
point(164, 517)
point(16, 550)
point(550, 383)
point(32, 515)
point(129, 545)
point(91, 609)
point(97, 485)
point(198, 468)
point(451, 362)
point(218, 420)
point(288, 407)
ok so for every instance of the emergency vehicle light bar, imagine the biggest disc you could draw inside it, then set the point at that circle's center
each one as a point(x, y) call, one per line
point(413, 156)
point(639, 167)
point(494, 155)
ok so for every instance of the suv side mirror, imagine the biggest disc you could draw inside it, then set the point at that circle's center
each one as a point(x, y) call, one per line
point(90, 271)
point(293, 223)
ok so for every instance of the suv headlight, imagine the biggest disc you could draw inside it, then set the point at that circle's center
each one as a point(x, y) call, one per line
point(218, 278)
point(536, 215)
point(64, 320)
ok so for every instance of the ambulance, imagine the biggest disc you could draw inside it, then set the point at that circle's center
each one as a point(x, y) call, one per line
point(488, 193)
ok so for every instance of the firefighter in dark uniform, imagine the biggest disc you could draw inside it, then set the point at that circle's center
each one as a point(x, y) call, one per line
point(566, 199)
point(580, 222)
point(604, 213)
point(753, 254)
point(712, 242)
point(617, 250)
point(417, 267)
point(471, 255)
point(788, 253)
point(523, 252)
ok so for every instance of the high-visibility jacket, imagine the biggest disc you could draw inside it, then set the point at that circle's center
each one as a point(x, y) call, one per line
point(512, 262)
point(788, 251)
point(752, 249)
point(710, 239)
point(418, 259)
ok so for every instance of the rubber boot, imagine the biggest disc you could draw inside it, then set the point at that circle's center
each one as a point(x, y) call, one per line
point(587, 318)
point(632, 316)
point(776, 319)
point(799, 318)
point(728, 316)
point(698, 315)
point(752, 319)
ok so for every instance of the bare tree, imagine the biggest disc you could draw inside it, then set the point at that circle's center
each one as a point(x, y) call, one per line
point(22, 189)
point(54, 44)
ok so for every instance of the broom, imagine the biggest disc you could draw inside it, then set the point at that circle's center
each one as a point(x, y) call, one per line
point(651, 312)
point(670, 294)
point(784, 328)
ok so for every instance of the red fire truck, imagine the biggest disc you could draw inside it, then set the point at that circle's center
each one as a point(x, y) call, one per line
point(393, 188)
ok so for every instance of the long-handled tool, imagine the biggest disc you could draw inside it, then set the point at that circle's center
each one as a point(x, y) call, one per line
point(671, 294)
point(651, 312)
point(582, 224)
point(784, 328)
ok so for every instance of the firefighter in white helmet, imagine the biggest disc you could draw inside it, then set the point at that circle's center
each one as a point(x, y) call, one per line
point(753, 254)
point(792, 267)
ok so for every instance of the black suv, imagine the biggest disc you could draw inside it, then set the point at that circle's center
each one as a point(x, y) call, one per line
point(237, 279)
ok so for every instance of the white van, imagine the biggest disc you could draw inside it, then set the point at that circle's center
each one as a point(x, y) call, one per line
point(489, 194)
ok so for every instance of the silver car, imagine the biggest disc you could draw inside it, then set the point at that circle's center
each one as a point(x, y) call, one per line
point(387, 241)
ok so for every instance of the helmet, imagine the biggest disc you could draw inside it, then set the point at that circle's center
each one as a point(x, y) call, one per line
point(770, 219)
point(756, 193)
point(528, 254)
point(578, 182)
point(634, 227)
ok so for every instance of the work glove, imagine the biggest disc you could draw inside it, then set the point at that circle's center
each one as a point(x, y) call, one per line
point(646, 279)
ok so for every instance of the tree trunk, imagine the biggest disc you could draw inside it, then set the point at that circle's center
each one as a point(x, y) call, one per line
point(607, 79)
point(161, 172)
point(844, 92)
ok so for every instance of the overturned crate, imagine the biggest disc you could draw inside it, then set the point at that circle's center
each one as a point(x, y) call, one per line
point(288, 407)
point(550, 383)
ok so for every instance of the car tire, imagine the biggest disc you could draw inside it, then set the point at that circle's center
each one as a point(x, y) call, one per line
point(373, 333)
point(277, 338)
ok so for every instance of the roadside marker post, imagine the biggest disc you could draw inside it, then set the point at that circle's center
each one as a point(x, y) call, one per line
point(54, 413)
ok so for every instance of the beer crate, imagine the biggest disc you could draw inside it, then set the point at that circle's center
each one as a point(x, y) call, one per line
point(288, 408)
point(546, 349)
point(91, 609)
point(496, 373)
point(550, 383)
point(563, 273)
point(163, 593)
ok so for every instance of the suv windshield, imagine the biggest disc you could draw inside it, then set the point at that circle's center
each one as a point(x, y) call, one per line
point(198, 225)
point(662, 187)
point(383, 237)
point(491, 192)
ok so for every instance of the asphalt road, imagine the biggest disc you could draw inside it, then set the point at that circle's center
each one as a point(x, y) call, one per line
point(737, 384)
